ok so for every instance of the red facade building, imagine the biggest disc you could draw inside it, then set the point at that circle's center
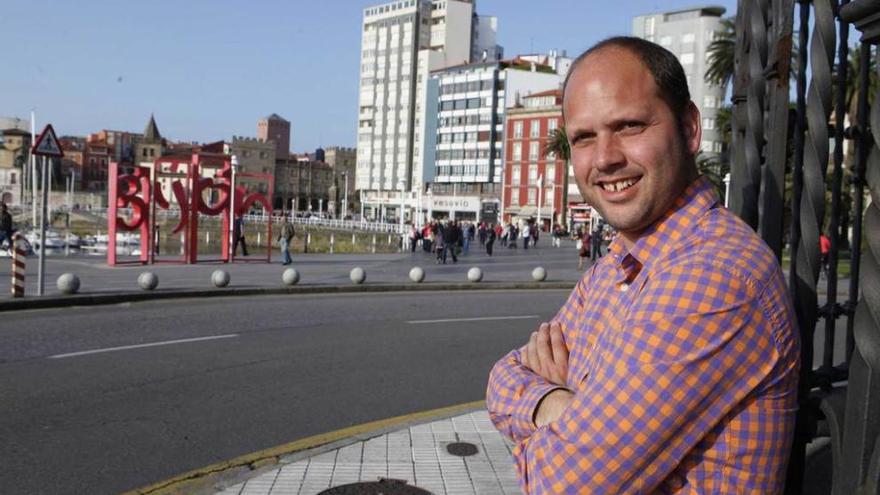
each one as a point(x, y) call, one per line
point(534, 184)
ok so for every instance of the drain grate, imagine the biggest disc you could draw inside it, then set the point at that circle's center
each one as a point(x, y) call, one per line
point(461, 449)
point(382, 487)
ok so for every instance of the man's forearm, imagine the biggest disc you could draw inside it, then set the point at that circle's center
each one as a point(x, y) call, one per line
point(552, 406)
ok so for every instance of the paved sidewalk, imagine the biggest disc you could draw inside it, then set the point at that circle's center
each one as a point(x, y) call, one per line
point(416, 454)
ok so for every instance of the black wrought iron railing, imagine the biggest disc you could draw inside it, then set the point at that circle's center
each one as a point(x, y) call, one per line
point(831, 113)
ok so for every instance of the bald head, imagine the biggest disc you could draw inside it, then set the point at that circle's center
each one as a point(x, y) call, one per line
point(662, 65)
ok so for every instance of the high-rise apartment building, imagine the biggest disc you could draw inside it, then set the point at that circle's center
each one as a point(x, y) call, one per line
point(465, 133)
point(402, 42)
point(687, 33)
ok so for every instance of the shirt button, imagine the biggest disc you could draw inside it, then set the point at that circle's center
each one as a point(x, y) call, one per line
point(624, 287)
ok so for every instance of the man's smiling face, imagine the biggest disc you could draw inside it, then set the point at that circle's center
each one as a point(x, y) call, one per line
point(631, 156)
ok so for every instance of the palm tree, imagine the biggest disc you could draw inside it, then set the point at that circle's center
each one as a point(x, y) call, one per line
point(559, 147)
point(721, 54)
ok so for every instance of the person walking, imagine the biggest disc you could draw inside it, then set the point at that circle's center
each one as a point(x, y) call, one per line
point(583, 248)
point(490, 240)
point(413, 239)
point(526, 235)
point(238, 235)
point(556, 236)
point(466, 238)
point(596, 244)
point(439, 243)
point(284, 239)
point(5, 226)
point(451, 239)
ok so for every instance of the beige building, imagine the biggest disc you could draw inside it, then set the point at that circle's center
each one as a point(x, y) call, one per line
point(254, 156)
point(343, 161)
point(13, 157)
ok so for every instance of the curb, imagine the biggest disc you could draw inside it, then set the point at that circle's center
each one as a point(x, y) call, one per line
point(121, 297)
point(205, 479)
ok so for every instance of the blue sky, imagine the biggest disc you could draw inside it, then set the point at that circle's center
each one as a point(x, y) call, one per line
point(211, 69)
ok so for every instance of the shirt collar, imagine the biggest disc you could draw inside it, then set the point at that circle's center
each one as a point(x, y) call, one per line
point(662, 236)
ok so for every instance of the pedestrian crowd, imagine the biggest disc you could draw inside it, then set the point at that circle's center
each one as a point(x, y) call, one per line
point(452, 238)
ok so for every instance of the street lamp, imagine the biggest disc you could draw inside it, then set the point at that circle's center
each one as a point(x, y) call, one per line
point(540, 191)
point(345, 196)
point(402, 183)
point(234, 161)
point(726, 189)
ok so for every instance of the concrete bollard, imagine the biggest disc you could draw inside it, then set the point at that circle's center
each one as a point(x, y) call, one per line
point(539, 274)
point(259, 238)
point(68, 283)
point(417, 274)
point(220, 278)
point(148, 281)
point(357, 275)
point(475, 274)
point(208, 237)
point(353, 239)
point(290, 277)
point(389, 240)
point(19, 258)
point(374, 243)
point(332, 242)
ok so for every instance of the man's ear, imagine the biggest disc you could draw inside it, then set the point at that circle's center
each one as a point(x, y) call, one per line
point(693, 128)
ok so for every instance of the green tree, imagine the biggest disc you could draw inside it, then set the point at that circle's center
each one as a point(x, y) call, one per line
point(558, 146)
point(721, 54)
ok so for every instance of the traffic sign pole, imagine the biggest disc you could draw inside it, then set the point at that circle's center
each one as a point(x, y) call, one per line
point(46, 146)
point(45, 202)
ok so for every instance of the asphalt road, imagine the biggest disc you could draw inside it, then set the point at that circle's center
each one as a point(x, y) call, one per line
point(263, 371)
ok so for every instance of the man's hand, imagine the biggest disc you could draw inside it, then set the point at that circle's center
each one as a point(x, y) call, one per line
point(552, 406)
point(546, 353)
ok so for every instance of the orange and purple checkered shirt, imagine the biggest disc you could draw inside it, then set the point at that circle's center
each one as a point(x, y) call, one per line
point(683, 360)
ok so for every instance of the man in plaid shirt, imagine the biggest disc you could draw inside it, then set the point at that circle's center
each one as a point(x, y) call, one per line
point(672, 367)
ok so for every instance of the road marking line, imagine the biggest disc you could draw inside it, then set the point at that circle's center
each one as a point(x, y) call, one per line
point(139, 346)
point(484, 318)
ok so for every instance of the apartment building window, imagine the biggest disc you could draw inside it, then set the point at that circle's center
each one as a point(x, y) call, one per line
point(686, 58)
point(708, 102)
point(515, 172)
point(514, 196)
point(666, 41)
point(708, 123)
point(517, 129)
point(551, 126)
point(533, 150)
point(687, 38)
point(550, 173)
point(533, 174)
point(706, 146)
point(517, 152)
point(533, 196)
point(535, 129)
